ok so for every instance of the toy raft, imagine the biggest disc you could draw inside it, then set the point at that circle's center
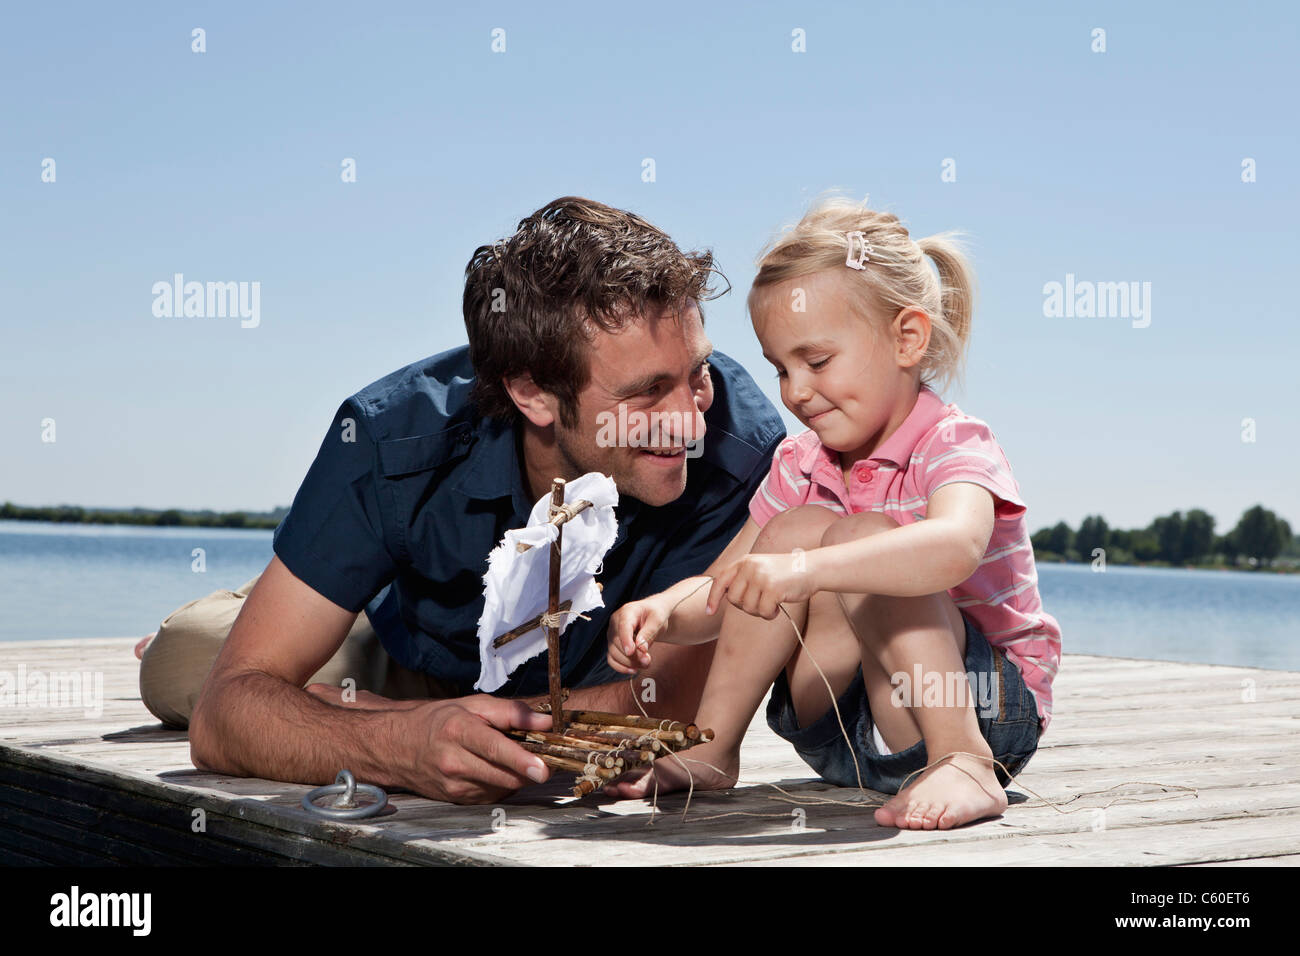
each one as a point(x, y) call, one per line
point(601, 747)
point(598, 746)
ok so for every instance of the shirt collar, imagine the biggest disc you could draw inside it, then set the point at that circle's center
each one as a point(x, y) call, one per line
point(492, 472)
point(928, 411)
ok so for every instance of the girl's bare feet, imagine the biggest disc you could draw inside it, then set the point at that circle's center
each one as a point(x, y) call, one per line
point(671, 775)
point(959, 789)
point(142, 644)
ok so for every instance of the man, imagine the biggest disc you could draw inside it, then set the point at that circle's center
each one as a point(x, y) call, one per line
point(585, 317)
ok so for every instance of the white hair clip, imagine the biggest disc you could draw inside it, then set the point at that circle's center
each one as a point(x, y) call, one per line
point(862, 257)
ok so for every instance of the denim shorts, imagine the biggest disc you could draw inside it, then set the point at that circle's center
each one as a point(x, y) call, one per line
point(1004, 708)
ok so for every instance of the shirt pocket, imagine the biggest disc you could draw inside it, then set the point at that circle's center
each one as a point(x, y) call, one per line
point(409, 456)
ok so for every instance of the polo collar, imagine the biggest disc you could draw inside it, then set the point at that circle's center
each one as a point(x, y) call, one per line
point(928, 411)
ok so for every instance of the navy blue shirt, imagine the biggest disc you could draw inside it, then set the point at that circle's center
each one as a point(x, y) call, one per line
point(412, 488)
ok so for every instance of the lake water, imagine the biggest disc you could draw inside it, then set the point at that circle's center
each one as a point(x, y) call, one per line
point(66, 580)
point(1209, 617)
point(60, 581)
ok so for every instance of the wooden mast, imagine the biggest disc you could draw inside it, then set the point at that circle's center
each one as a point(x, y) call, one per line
point(552, 608)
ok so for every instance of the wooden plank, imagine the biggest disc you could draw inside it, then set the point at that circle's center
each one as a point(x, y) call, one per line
point(280, 829)
point(15, 840)
point(1174, 844)
point(9, 856)
point(1231, 685)
point(1062, 779)
point(1117, 721)
point(42, 817)
point(1287, 860)
point(835, 831)
point(128, 829)
point(527, 838)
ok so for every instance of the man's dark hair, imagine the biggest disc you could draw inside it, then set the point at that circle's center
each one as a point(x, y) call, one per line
point(532, 300)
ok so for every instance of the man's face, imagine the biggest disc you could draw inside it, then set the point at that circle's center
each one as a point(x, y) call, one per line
point(645, 402)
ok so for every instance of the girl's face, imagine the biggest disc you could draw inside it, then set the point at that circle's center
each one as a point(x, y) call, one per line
point(849, 380)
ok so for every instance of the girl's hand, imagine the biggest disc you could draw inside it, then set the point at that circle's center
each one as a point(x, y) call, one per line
point(632, 630)
point(758, 583)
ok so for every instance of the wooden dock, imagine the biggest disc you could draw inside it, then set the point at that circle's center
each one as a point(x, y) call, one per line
point(1204, 762)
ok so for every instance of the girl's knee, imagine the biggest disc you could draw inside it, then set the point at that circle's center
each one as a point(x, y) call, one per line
point(853, 527)
point(800, 527)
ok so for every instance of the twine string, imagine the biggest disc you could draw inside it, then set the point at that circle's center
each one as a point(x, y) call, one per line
point(788, 797)
point(570, 511)
point(556, 620)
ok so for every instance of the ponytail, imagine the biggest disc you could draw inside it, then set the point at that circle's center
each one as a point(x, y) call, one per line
point(894, 274)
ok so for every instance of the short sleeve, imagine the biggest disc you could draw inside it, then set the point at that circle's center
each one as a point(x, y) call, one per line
point(782, 489)
point(964, 449)
point(333, 537)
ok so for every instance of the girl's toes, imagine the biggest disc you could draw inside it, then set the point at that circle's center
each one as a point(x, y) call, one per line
point(908, 821)
point(916, 817)
point(615, 791)
point(630, 789)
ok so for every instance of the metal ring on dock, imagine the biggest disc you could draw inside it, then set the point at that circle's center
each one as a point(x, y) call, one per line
point(346, 807)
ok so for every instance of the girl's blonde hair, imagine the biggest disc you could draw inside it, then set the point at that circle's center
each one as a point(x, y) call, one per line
point(896, 274)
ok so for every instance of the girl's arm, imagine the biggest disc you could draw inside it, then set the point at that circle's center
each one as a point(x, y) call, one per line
point(675, 615)
point(922, 558)
point(911, 560)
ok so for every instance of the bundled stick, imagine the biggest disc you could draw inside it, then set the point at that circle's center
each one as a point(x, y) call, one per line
point(597, 745)
point(601, 747)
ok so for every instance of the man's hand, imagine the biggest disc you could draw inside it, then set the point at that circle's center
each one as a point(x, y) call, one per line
point(632, 629)
point(462, 734)
point(758, 583)
point(466, 758)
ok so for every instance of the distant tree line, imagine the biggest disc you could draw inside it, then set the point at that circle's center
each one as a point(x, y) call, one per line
point(1260, 539)
point(172, 517)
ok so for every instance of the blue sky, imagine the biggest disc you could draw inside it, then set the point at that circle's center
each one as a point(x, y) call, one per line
point(1122, 166)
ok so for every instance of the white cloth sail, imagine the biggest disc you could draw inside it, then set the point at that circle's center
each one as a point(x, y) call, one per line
point(517, 584)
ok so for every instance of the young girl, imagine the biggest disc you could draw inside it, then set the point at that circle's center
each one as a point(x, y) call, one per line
point(891, 532)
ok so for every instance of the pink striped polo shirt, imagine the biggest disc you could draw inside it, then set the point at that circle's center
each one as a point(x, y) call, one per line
point(935, 445)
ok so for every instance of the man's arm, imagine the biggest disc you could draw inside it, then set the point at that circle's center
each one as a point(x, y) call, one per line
point(253, 718)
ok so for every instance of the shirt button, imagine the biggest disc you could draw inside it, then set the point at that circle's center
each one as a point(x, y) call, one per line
point(466, 438)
